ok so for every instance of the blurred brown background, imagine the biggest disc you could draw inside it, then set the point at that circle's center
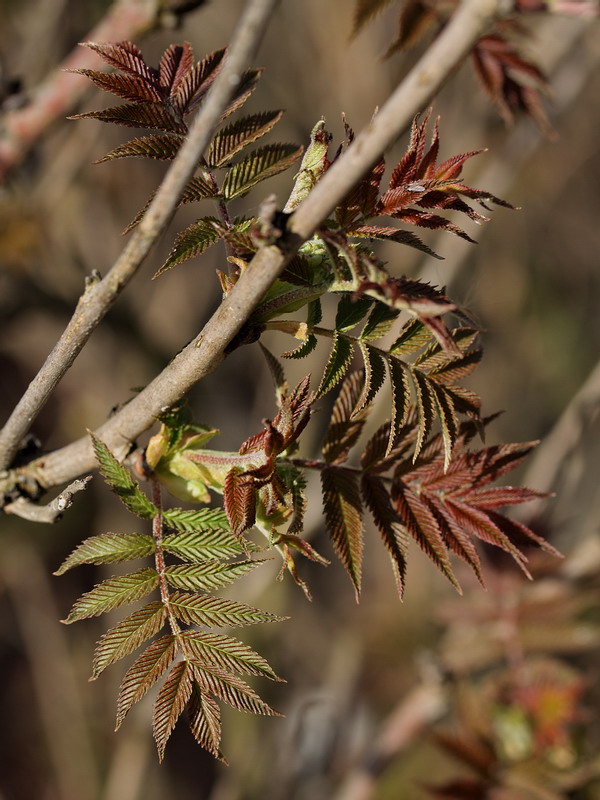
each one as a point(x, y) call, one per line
point(532, 282)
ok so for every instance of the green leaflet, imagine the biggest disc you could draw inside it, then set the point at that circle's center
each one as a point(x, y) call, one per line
point(413, 336)
point(303, 350)
point(229, 141)
point(128, 635)
point(225, 653)
point(207, 610)
point(209, 575)
point(108, 548)
point(260, 164)
point(447, 416)
point(400, 400)
point(380, 321)
point(114, 592)
point(204, 545)
point(192, 242)
point(374, 374)
point(121, 481)
point(337, 365)
point(196, 520)
point(425, 408)
point(350, 311)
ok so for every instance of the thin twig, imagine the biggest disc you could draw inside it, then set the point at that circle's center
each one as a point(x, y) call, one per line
point(60, 92)
point(204, 353)
point(99, 296)
point(53, 511)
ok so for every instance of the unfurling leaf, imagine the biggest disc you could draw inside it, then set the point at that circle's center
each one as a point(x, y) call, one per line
point(121, 482)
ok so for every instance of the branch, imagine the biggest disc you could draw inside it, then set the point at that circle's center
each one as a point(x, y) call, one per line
point(203, 354)
point(60, 92)
point(51, 512)
point(100, 295)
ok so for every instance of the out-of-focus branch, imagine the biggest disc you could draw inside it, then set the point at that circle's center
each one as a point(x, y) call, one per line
point(423, 706)
point(548, 459)
point(101, 294)
point(203, 354)
point(59, 93)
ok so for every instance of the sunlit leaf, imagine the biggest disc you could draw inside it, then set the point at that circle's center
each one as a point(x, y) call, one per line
point(128, 635)
point(108, 548)
point(114, 592)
